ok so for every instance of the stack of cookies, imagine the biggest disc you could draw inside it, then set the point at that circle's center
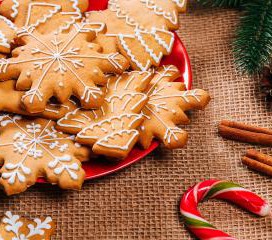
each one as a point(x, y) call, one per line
point(74, 85)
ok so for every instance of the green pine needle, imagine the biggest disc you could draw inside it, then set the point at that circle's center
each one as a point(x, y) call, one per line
point(253, 44)
point(222, 3)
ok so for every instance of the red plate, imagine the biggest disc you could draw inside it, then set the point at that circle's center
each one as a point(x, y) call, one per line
point(100, 167)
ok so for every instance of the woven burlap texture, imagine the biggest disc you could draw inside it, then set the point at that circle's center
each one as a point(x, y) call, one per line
point(141, 202)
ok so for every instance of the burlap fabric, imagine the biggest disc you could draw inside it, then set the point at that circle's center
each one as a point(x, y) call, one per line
point(141, 202)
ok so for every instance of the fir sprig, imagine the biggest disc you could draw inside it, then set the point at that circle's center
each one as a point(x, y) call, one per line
point(253, 43)
point(221, 3)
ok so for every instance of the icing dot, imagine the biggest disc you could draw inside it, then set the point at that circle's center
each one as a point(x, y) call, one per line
point(131, 20)
point(28, 74)
point(95, 71)
point(77, 145)
point(173, 111)
point(142, 128)
point(141, 27)
point(61, 84)
point(169, 84)
point(23, 49)
point(90, 46)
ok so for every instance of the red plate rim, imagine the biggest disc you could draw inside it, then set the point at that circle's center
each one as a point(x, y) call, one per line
point(97, 168)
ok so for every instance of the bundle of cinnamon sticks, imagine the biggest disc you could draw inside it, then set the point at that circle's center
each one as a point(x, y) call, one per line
point(245, 133)
point(250, 134)
point(258, 161)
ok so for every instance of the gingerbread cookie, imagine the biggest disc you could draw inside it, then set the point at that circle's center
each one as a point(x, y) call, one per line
point(168, 101)
point(33, 148)
point(60, 65)
point(139, 29)
point(13, 104)
point(7, 35)
point(45, 16)
point(14, 227)
point(112, 129)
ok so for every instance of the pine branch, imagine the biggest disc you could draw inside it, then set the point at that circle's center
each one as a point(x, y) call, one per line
point(253, 44)
point(222, 3)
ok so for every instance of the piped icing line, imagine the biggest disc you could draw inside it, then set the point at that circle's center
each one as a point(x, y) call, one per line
point(3, 40)
point(115, 123)
point(56, 9)
point(169, 16)
point(14, 8)
point(114, 7)
point(76, 15)
point(104, 141)
point(132, 56)
point(180, 3)
point(167, 47)
point(9, 23)
point(150, 51)
point(220, 190)
point(132, 116)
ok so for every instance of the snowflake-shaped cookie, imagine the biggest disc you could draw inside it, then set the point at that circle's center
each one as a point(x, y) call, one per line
point(14, 227)
point(60, 65)
point(33, 148)
point(46, 16)
point(112, 129)
point(139, 29)
point(168, 102)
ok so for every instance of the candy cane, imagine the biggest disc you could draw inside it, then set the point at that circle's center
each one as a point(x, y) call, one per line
point(220, 190)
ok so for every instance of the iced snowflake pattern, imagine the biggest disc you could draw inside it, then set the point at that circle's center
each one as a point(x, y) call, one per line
point(34, 141)
point(61, 56)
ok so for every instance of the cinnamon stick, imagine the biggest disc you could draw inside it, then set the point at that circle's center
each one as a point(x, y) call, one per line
point(258, 161)
point(245, 133)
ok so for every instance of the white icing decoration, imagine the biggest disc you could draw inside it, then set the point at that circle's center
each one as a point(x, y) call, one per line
point(104, 141)
point(133, 57)
point(170, 16)
point(180, 3)
point(14, 8)
point(68, 59)
point(3, 39)
point(151, 52)
point(13, 224)
point(133, 117)
point(46, 17)
point(34, 142)
point(76, 15)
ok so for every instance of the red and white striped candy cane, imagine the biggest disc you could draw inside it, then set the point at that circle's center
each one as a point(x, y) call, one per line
point(220, 190)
